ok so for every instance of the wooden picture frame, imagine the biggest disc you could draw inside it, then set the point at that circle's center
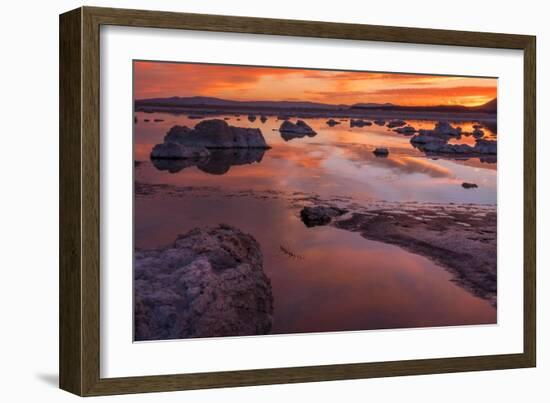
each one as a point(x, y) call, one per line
point(79, 346)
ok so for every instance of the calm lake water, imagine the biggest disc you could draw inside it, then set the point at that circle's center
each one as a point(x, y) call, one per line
point(344, 282)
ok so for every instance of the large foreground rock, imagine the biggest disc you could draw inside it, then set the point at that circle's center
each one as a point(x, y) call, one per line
point(208, 283)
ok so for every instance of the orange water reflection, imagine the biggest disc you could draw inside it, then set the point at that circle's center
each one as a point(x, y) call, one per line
point(319, 293)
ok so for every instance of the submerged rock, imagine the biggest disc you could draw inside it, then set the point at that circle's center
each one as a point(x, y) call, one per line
point(300, 129)
point(209, 283)
point(319, 215)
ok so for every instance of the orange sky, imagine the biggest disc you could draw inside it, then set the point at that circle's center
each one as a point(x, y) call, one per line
point(154, 79)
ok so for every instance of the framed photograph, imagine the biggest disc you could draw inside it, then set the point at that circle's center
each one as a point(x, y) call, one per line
point(250, 201)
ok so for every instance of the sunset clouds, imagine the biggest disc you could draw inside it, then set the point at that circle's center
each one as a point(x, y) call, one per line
point(157, 79)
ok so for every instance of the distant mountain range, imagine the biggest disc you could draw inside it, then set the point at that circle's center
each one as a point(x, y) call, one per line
point(217, 102)
point(210, 103)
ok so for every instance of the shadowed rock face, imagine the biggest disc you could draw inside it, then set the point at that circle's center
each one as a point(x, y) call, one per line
point(217, 162)
point(209, 283)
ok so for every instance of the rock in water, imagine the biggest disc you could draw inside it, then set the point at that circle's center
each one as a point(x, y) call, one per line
point(209, 283)
point(485, 146)
point(442, 129)
point(379, 122)
point(381, 152)
point(467, 185)
point(428, 141)
point(478, 133)
point(319, 215)
point(300, 129)
point(406, 130)
point(396, 123)
point(216, 133)
point(359, 123)
point(332, 122)
point(181, 142)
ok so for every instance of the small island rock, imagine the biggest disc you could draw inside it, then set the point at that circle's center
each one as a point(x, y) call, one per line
point(359, 123)
point(291, 130)
point(319, 215)
point(381, 151)
point(396, 123)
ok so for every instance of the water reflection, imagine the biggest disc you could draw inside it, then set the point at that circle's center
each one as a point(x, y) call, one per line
point(339, 160)
point(217, 163)
point(318, 292)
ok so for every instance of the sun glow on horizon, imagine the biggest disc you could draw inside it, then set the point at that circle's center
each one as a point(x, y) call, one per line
point(245, 83)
